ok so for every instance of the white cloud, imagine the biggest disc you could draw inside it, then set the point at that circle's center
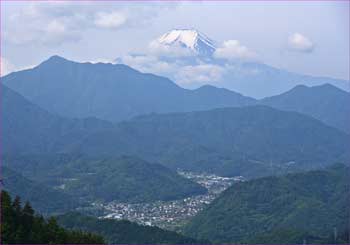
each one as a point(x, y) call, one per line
point(149, 64)
point(300, 43)
point(233, 50)
point(109, 20)
point(58, 22)
point(200, 74)
point(159, 49)
point(6, 66)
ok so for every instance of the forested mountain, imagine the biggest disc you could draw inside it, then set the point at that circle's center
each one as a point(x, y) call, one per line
point(222, 140)
point(111, 92)
point(106, 91)
point(123, 231)
point(124, 179)
point(43, 198)
point(288, 209)
point(326, 103)
point(251, 141)
point(21, 225)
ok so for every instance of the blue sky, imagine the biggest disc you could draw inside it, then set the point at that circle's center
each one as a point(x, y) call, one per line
point(305, 37)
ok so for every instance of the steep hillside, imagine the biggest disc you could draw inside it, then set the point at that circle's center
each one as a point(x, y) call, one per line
point(27, 128)
point(326, 103)
point(302, 206)
point(43, 198)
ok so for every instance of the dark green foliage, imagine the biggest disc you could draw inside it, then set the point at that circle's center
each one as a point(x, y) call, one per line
point(221, 140)
point(126, 179)
point(291, 236)
point(44, 199)
point(20, 225)
point(326, 103)
point(286, 209)
point(123, 232)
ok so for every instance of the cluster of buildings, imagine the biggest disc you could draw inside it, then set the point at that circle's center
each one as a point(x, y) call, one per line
point(169, 214)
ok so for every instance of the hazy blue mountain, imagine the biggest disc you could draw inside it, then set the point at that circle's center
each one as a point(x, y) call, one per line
point(118, 92)
point(260, 80)
point(253, 141)
point(28, 128)
point(125, 179)
point(218, 140)
point(123, 231)
point(43, 198)
point(281, 210)
point(326, 103)
point(111, 92)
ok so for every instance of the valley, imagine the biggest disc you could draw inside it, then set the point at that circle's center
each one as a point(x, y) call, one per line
point(170, 215)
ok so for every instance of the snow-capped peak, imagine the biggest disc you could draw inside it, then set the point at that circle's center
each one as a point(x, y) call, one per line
point(189, 38)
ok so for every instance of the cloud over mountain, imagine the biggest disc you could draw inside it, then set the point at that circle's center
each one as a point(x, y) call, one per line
point(234, 50)
point(300, 43)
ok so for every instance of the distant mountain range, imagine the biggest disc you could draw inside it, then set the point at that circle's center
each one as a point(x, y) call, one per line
point(188, 49)
point(293, 209)
point(118, 92)
point(253, 140)
point(110, 92)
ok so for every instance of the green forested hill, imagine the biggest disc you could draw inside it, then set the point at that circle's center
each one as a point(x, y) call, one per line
point(125, 179)
point(20, 225)
point(123, 232)
point(224, 140)
point(251, 141)
point(43, 198)
point(284, 209)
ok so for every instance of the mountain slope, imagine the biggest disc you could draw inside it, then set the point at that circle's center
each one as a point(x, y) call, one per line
point(28, 128)
point(123, 179)
point(325, 103)
point(313, 202)
point(123, 232)
point(257, 135)
point(110, 92)
point(117, 92)
point(43, 198)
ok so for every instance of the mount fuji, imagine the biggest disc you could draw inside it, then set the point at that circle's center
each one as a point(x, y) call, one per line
point(190, 39)
point(190, 58)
